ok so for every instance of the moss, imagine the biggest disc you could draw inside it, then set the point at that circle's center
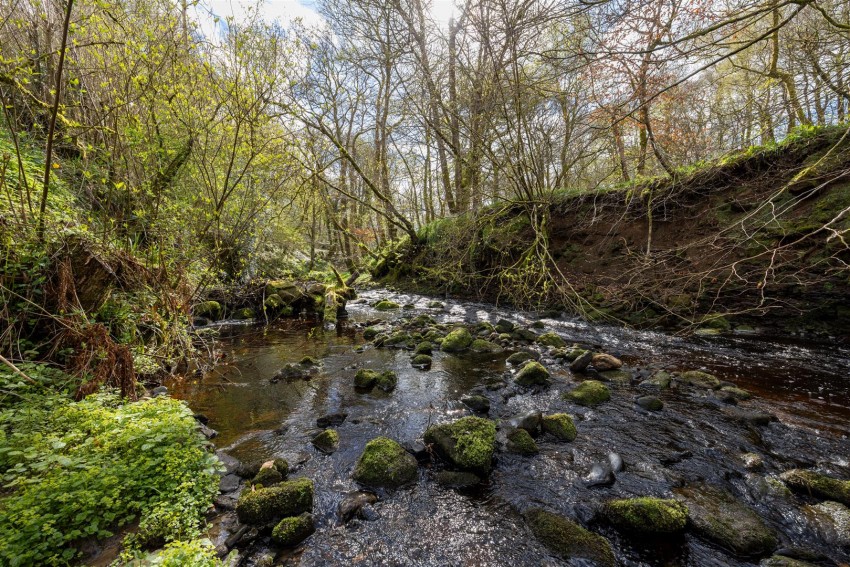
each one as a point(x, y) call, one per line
point(533, 373)
point(482, 346)
point(551, 339)
point(327, 441)
point(365, 378)
point(468, 442)
point(589, 393)
point(209, 309)
point(282, 466)
point(386, 381)
point(288, 498)
point(568, 539)
point(737, 393)
point(267, 477)
point(385, 463)
point(292, 531)
point(425, 347)
point(457, 341)
point(520, 441)
point(647, 515)
point(244, 314)
point(386, 305)
point(700, 379)
point(370, 333)
point(810, 482)
point(519, 357)
point(397, 338)
point(560, 425)
point(421, 361)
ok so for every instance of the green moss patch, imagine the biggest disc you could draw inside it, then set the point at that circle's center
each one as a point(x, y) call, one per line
point(568, 539)
point(385, 463)
point(532, 374)
point(520, 441)
point(288, 498)
point(647, 515)
point(467, 443)
point(560, 425)
point(589, 393)
point(810, 482)
point(457, 341)
point(292, 531)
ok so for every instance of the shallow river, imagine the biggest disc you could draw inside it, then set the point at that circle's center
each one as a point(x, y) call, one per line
point(806, 386)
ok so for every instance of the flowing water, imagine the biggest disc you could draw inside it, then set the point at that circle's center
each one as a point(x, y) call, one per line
point(806, 386)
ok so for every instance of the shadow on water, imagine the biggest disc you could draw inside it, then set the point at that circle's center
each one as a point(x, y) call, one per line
point(807, 386)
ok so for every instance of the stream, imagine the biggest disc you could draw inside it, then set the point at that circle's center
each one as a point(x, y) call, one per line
point(696, 438)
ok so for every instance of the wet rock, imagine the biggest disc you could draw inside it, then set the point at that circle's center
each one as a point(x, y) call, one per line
point(468, 443)
point(435, 305)
point(752, 461)
point(582, 361)
point(504, 326)
point(604, 361)
point(478, 404)
point(520, 357)
point(616, 462)
point(371, 332)
point(288, 498)
point(421, 361)
point(207, 432)
point(352, 504)
point(229, 483)
point(531, 422)
point(700, 379)
point(722, 518)
point(830, 521)
point(782, 561)
point(532, 374)
point(224, 502)
point(268, 475)
point(736, 393)
point(550, 339)
point(676, 457)
point(365, 379)
point(209, 309)
point(816, 484)
point(457, 341)
point(750, 417)
point(418, 449)
point(386, 381)
point(620, 377)
point(521, 442)
point(386, 305)
point(589, 393)
point(658, 381)
point(456, 479)
point(524, 335)
point(647, 515)
point(292, 531)
point(248, 470)
point(481, 346)
point(600, 475)
point(650, 403)
point(385, 463)
point(425, 347)
point(292, 372)
point(159, 391)
point(568, 539)
point(560, 425)
point(331, 420)
point(327, 441)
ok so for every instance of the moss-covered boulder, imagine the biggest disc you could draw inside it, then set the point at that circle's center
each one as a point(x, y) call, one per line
point(589, 393)
point(550, 339)
point(721, 517)
point(647, 515)
point(267, 476)
point(288, 498)
point(274, 305)
point(244, 314)
point(700, 379)
point(371, 332)
point(521, 442)
point(385, 463)
point(288, 292)
point(816, 484)
point(482, 346)
point(365, 378)
point(468, 443)
point(422, 361)
point(518, 358)
point(386, 381)
point(457, 341)
point(569, 540)
point(425, 347)
point(210, 309)
point(560, 425)
point(532, 374)
point(386, 305)
point(292, 531)
point(327, 441)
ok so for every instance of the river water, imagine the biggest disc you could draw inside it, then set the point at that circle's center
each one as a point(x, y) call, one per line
point(806, 386)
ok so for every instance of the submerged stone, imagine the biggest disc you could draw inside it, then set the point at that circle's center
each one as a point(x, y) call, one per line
point(560, 425)
point(457, 341)
point(816, 484)
point(288, 498)
point(353, 504)
point(589, 393)
point(292, 531)
point(457, 479)
point(568, 539)
point(520, 441)
point(385, 463)
point(468, 443)
point(532, 374)
point(658, 381)
point(647, 515)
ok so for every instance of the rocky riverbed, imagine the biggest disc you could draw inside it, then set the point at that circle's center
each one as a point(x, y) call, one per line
point(426, 432)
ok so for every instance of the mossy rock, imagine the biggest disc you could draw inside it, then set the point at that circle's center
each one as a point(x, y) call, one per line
point(386, 381)
point(292, 531)
point(521, 442)
point(288, 292)
point(782, 561)
point(520, 357)
point(288, 498)
point(524, 335)
point(397, 338)
point(482, 346)
point(658, 381)
point(569, 540)
point(422, 361)
point(560, 425)
point(209, 309)
point(425, 347)
point(468, 443)
point(385, 463)
point(647, 515)
point(244, 314)
point(721, 517)
point(737, 393)
point(700, 379)
point(327, 441)
point(365, 379)
point(551, 339)
point(386, 305)
point(589, 393)
point(532, 374)
point(457, 341)
point(810, 482)
point(371, 332)
point(308, 361)
point(504, 326)
point(267, 476)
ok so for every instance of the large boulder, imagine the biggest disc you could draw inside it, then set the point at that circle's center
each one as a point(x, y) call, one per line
point(810, 482)
point(568, 539)
point(647, 515)
point(385, 463)
point(457, 341)
point(720, 517)
point(589, 393)
point(289, 498)
point(468, 443)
